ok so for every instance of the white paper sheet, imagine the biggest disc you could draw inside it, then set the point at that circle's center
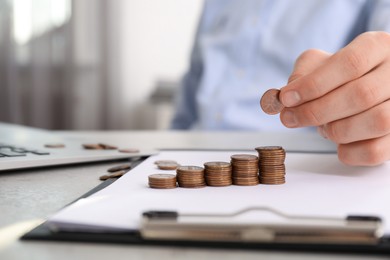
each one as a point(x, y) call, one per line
point(317, 185)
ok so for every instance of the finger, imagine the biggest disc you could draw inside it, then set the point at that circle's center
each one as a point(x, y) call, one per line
point(356, 59)
point(308, 61)
point(351, 99)
point(370, 124)
point(365, 153)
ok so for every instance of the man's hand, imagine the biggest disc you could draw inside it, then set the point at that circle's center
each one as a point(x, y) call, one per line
point(347, 96)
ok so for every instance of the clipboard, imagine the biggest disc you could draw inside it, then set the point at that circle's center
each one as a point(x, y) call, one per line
point(377, 244)
point(374, 245)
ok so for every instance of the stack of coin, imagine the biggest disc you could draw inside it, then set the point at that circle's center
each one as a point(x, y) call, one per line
point(218, 173)
point(271, 164)
point(162, 181)
point(190, 176)
point(245, 169)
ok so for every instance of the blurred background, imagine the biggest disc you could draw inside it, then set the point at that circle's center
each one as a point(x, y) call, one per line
point(93, 64)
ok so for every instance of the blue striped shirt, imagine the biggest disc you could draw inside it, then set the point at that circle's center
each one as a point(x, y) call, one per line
point(243, 47)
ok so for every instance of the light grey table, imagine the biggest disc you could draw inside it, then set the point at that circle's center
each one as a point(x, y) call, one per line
point(27, 197)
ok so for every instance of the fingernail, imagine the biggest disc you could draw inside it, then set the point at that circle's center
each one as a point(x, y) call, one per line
point(322, 132)
point(291, 98)
point(289, 119)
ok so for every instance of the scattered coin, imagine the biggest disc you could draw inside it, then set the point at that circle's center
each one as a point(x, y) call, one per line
point(129, 150)
point(165, 161)
point(92, 147)
point(271, 164)
point(99, 146)
point(108, 146)
point(162, 181)
point(126, 166)
point(167, 165)
point(270, 102)
point(218, 173)
point(116, 174)
point(245, 169)
point(58, 145)
point(190, 176)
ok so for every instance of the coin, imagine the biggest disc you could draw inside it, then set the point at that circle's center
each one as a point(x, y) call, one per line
point(217, 165)
point(269, 147)
point(92, 147)
point(99, 146)
point(116, 174)
point(190, 169)
point(129, 150)
point(126, 166)
point(108, 146)
point(56, 145)
point(246, 181)
point(165, 161)
point(167, 166)
point(244, 157)
point(270, 102)
point(272, 181)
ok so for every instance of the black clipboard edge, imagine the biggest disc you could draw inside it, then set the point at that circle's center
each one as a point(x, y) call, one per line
point(43, 233)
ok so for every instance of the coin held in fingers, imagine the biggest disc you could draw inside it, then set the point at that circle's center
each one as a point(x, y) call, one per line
point(270, 102)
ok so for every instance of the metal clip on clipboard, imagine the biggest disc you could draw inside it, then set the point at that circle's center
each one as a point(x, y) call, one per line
point(168, 225)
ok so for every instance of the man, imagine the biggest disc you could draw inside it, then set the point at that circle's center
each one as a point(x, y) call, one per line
point(334, 53)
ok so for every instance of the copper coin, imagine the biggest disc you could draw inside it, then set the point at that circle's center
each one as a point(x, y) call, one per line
point(164, 161)
point(229, 178)
point(92, 147)
point(225, 171)
point(116, 174)
point(268, 148)
point(244, 157)
point(219, 184)
point(129, 150)
point(184, 185)
point(222, 174)
point(217, 165)
point(245, 183)
point(54, 145)
point(161, 176)
point(244, 174)
point(167, 166)
point(107, 146)
point(190, 169)
point(277, 182)
point(126, 166)
point(270, 102)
